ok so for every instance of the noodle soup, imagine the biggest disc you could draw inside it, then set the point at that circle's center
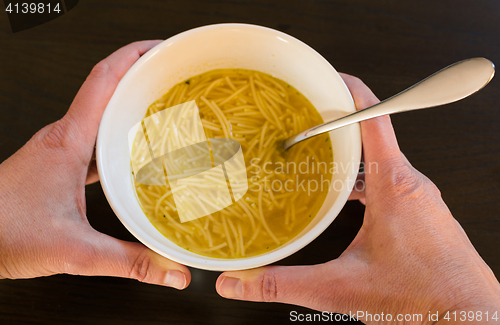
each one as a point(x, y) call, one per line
point(285, 189)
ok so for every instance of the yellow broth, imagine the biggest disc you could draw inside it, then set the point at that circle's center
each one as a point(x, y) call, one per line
point(259, 111)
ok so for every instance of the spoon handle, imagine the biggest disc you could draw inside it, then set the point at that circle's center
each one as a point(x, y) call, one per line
point(448, 85)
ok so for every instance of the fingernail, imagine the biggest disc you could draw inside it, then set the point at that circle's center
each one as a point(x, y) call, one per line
point(231, 288)
point(175, 279)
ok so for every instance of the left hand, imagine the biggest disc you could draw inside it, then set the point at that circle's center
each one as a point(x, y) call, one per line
point(43, 224)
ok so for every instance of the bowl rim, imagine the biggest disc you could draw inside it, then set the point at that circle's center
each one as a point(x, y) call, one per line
point(203, 262)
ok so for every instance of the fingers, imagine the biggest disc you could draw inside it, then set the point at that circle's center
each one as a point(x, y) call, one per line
point(92, 174)
point(88, 106)
point(379, 140)
point(358, 195)
point(358, 190)
point(298, 285)
point(108, 256)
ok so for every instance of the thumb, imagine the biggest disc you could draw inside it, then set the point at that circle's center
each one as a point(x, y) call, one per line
point(107, 256)
point(88, 106)
point(312, 286)
point(379, 140)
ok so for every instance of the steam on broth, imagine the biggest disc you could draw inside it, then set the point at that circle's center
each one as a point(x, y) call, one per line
point(285, 189)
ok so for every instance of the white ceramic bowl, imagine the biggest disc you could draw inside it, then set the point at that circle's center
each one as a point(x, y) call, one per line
point(194, 52)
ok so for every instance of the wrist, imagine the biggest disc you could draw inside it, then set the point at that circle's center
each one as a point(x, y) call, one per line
point(480, 306)
point(473, 314)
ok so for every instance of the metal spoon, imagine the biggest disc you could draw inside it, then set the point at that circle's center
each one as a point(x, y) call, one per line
point(448, 85)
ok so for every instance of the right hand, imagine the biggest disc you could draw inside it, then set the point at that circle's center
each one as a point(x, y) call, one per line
point(410, 256)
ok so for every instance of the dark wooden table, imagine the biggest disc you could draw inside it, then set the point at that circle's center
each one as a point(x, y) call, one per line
point(388, 44)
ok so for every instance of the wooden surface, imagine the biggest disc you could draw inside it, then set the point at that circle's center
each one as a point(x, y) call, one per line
point(388, 44)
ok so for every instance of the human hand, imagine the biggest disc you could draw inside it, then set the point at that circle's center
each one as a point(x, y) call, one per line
point(43, 225)
point(410, 256)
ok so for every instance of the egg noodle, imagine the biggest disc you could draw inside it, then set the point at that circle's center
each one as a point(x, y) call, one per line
point(258, 111)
